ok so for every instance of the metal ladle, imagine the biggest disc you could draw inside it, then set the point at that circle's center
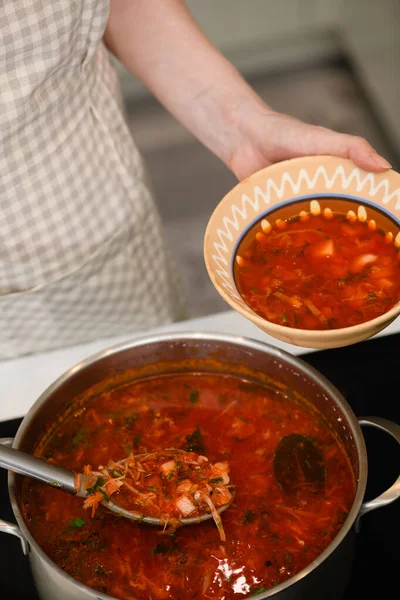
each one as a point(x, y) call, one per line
point(65, 480)
point(299, 465)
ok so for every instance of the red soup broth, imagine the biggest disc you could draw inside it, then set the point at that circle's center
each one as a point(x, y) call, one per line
point(270, 535)
point(320, 273)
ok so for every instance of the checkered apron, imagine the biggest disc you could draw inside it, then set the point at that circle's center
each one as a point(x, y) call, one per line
point(82, 255)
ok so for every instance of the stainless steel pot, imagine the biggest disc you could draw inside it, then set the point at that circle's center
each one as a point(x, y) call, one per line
point(327, 576)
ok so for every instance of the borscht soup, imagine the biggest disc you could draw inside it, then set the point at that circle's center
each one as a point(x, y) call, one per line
point(270, 532)
point(319, 269)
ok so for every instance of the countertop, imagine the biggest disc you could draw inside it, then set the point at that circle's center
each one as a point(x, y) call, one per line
point(23, 380)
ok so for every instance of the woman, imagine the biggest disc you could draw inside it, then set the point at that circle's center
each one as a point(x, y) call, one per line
point(82, 255)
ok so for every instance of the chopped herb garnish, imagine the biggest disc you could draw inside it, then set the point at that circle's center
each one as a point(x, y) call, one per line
point(136, 440)
point(288, 556)
point(193, 396)
point(255, 291)
point(94, 541)
point(249, 517)
point(259, 591)
point(100, 481)
point(284, 318)
point(152, 489)
point(78, 522)
point(79, 438)
point(159, 549)
point(216, 480)
point(371, 296)
point(128, 449)
point(243, 419)
point(96, 487)
point(116, 473)
point(274, 538)
point(99, 570)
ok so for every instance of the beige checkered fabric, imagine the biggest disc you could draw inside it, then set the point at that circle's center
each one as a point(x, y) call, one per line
point(82, 254)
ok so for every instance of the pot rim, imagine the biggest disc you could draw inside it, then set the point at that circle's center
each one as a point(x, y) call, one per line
point(294, 361)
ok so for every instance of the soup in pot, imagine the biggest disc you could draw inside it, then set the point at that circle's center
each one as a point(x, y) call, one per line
point(271, 534)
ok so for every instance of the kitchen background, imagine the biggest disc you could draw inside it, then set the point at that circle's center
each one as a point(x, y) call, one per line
point(329, 62)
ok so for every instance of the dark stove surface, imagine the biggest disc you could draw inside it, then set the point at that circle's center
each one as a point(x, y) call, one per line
point(368, 375)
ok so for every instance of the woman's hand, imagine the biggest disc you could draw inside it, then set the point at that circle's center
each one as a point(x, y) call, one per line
point(160, 43)
point(266, 137)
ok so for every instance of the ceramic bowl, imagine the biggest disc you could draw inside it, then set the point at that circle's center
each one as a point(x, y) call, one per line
point(281, 191)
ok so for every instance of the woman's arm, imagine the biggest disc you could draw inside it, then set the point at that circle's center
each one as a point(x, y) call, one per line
point(160, 43)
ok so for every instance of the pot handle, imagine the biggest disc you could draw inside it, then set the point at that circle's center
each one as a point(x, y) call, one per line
point(393, 493)
point(12, 528)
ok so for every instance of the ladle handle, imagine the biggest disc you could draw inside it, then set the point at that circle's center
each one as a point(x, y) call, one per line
point(31, 466)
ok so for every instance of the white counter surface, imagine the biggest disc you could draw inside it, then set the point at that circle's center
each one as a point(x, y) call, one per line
point(23, 380)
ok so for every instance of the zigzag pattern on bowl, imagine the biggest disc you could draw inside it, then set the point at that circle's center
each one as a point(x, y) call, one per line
point(250, 207)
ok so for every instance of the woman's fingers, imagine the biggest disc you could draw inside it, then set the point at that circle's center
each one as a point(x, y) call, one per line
point(280, 137)
point(325, 141)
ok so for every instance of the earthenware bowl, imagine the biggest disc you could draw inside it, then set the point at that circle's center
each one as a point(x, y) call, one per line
point(283, 190)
